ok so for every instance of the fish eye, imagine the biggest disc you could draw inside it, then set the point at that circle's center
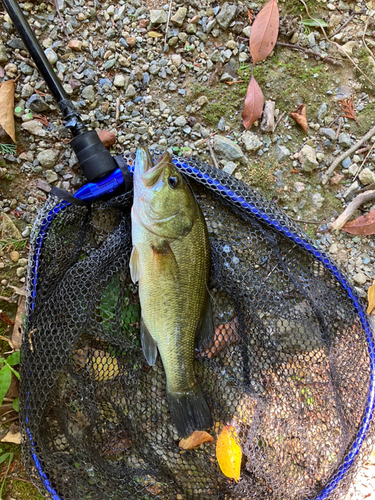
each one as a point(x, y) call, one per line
point(173, 181)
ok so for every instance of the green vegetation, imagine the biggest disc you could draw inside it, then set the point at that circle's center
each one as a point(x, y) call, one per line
point(8, 149)
point(10, 244)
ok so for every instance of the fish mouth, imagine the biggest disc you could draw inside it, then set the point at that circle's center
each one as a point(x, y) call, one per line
point(152, 173)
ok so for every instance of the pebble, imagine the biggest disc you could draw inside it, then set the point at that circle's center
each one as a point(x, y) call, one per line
point(119, 81)
point(360, 278)
point(14, 256)
point(345, 140)
point(34, 127)
point(51, 176)
point(180, 121)
point(307, 158)
point(230, 167)
point(251, 141)
point(346, 162)
point(51, 56)
point(88, 93)
point(179, 17)
point(20, 272)
point(282, 152)
point(47, 158)
point(158, 16)
point(37, 104)
point(3, 54)
point(367, 176)
point(130, 91)
point(227, 148)
point(317, 200)
point(226, 14)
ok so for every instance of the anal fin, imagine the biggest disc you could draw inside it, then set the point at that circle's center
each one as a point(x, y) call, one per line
point(149, 346)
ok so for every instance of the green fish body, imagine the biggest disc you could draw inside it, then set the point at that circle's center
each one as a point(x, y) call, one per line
point(171, 261)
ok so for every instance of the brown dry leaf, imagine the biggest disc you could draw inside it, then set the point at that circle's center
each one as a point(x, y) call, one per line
point(225, 335)
point(253, 107)
point(6, 319)
point(108, 138)
point(7, 108)
point(17, 329)
point(299, 115)
point(195, 440)
point(13, 438)
point(264, 32)
point(364, 225)
point(371, 298)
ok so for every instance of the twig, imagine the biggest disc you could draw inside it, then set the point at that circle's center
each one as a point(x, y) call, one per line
point(117, 109)
point(351, 208)
point(335, 62)
point(24, 59)
point(364, 41)
point(169, 16)
point(348, 152)
point(212, 154)
point(7, 299)
point(279, 119)
point(364, 161)
point(363, 150)
point(339, 127)
point(236, 81)
point(19, 479)
point(10, 420)
point(339, 28)
point(304, 221)
point(341, 49)
point(209, 137)
point(61, 19)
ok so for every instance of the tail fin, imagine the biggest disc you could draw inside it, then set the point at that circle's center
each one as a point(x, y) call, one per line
point(189, 411)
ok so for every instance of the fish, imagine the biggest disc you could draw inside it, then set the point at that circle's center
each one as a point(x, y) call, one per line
point(170, 260)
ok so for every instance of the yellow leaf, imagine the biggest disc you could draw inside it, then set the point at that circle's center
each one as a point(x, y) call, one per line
point(229, 453)
point(195, 440)
point(7, 108)
point(104, 367)
point(154, 34)
point(371, 298)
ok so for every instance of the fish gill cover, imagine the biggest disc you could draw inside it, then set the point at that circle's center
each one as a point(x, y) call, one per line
point(289, 370)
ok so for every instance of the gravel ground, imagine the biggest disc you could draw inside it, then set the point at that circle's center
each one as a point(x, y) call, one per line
point(169, 85)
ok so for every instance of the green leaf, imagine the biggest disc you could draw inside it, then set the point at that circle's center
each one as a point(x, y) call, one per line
point(4, 457)
point(14, 359)
point(315, 22)
point(30, 115)
point(18, 109)
point(5, 378)
point(16, 404)
point(16, 374)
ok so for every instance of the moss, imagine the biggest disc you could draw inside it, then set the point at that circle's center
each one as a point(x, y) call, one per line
point(296, 7)
point(24, 491)
point(261, 176)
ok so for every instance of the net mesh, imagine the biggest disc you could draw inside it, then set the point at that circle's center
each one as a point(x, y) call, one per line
point(289, 367)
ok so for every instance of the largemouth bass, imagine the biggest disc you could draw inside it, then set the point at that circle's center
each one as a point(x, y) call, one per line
point(171, 261)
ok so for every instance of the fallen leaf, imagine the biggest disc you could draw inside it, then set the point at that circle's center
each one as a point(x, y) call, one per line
point(14, 438)
point(17, 329)
point(264, 32)
point(229, 453)
point(108, 138)
point(225, 335)
point(154, 489)
point(315, 22)
point(7, 108)
point(195, 440)
point(253, 107)
point(371, 298)
point(299, 115)
point(347, 106)
point(364, 225)
point(103, 366)
point(154, 34)
point(6, 319)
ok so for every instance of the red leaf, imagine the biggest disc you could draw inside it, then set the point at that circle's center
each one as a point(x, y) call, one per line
point(4, 317)
point(364, 225)
point(299, 115)
point(253, 107)
point(264, 32)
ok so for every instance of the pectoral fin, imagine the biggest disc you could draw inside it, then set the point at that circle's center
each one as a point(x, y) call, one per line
point(149, 346)
point(134, 264)
point(164, 259)
point(206, 333)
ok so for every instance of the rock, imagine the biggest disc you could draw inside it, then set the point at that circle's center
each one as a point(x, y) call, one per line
point(120, 80)
point(202, 100)
point(367, 176)
point(226, 15)
point(3, 54)
point(307, 158)
point(47, 158)
point(251, 141)
point(131, 41)
point(294, 38)
point(176, 60)
point(246, 31)
point(317, 200)
point(51, 56)
point(88, 93)
point(9, 229)
point(37, 104)
point(351, 191)
point(349, 46)
point(322, 111)
point(333, 248)
point(130, 91)
point(360, 278)
point(268, 118)
point(346, 162)
point(158, 16)
point(328, 132)
point(345, 140)
point(352, 169)
point(180, 121)
point(75, 45)
point(222, 125)
point(227, 148)
point(230, 167)
point(108, 138)
point(282, 152)
point(51, 176)
point(27, 91)
point(34, 127)
point(14, 256)
point(179, 17)
point(299, 187)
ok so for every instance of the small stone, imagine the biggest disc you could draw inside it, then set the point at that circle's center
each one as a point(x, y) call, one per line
point(75, 45)
point(222, 125)
point(349, 46)
point(322, 111)
point(350, 192)
point(191, 29)
point(247, 30)
point(251, 141)
point(37, 104)
point(176, 60)
point(360, 278)
point(282, 152)
point(328, 132)
point(20, 272)
point(307, 158)
point(227, 148)
point(88, 93)
point(335, 20)
point(180, 121)
point(47, 158)
point(51, 176)
point(202, 100)
point(158, 16)
point(131, 41)
point(333, 248)
point(230, 167)
point(299, 187)
point(345, 140)
point(346, 162)
point(179, 17)
point(14, 256)
point(130, 91)
point(352, 169)
point(317, 200)
point(27, 91)
point(119, 81)
point(34, 127)
point(51, 56)
point(26, 232)
point(226, 15)
point(3, 54)
point(22, 262)
point(367, 176)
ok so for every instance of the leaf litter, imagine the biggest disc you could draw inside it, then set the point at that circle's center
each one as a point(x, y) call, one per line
point(7, 108)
